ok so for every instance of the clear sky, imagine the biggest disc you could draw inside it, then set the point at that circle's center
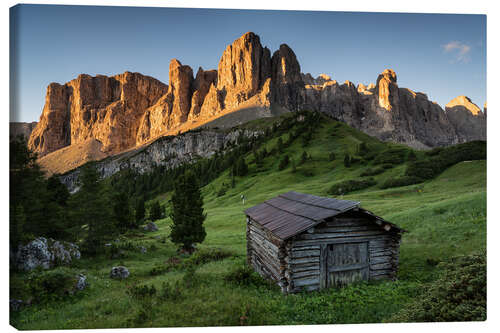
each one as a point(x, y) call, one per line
point(442, 55)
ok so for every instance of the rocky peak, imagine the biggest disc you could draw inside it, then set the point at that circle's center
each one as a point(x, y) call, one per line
point(286, 79)
point(465, 103)
point(467, 118)
point(243, 69)
point(322, 78)
point(387, 89)
point(180, 87)
point(202, 82)
point(285, 67)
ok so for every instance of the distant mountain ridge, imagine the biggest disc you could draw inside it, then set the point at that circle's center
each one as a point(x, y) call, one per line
point(21, 128)
point(130, 109)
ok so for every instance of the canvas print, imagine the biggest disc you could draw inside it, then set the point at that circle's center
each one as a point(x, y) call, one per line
point(175, 167)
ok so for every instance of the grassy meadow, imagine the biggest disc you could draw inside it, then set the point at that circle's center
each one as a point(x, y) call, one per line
point(445, 217)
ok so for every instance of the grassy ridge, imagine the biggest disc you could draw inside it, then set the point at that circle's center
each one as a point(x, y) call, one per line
point(445, 217)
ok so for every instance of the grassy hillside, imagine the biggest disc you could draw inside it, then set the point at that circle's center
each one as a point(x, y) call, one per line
point(445, 217)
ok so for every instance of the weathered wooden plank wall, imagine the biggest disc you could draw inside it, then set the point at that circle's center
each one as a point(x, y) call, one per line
point(295, 264)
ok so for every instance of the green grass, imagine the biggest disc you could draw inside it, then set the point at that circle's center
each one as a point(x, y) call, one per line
point(445, 217)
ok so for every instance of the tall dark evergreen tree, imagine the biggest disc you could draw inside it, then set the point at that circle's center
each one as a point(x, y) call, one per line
point(240, 168)
point(140, 210)
point(58, 192)
point(347, 160)
point(27, 191)
point(122, 213)
point(187, 212)
point(91, 206)
point(156, 211)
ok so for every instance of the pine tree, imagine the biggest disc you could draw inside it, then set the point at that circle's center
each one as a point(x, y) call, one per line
point(91, 206)
point(156, 211)
point(303, 157)
point(187, 212)
point(122, 213)
point(27, 192)
point(240, 168)
point(140, 210)
point(58, 192)
point(347, 160)
point(280, 145)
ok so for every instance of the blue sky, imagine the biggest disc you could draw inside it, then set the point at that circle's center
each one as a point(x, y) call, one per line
point(442, 55)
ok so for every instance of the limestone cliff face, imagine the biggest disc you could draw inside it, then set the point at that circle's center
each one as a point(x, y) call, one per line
point(21, 128)
point(129, 110)
point(107, 109)
point(286, 79)
point(169, 151)
point(467, 118)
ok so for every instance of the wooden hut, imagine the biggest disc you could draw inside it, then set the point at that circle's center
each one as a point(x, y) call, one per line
point(306, 242)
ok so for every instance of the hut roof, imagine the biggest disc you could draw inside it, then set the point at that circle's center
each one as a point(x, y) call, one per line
point(291, 213)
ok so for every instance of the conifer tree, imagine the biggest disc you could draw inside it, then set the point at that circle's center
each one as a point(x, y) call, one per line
point(155, 212)
point(122, 212)
point(347, 160)
point(140, 210)
point(187, 212)
point(91, 206)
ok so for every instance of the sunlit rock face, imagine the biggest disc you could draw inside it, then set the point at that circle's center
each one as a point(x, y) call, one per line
point(130, 109)
point(107, 109)
point(467, 118)
point(286, 79)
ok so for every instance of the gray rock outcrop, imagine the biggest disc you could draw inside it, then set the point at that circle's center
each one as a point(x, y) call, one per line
point(81, 282)
point(151, 226)
point(119, 272)
point(45, 253)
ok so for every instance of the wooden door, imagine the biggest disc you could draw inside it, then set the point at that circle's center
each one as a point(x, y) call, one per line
point(344, 263)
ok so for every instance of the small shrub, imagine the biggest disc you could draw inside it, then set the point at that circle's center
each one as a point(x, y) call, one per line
point(190, 278)
point(440, 210)
point(363, 149)
point(412, 156)
point(244, 276)
point(206, 255)
point(284, 162)
point(158, 270)
point(369, 156)
point(355, 159)
point(51, 285)
point(142, 291)
point(350, 186)
point(372, 171)
point(387, 166)
point(401, 181)
point(458, 295)
point(171, 292)
point(306, 172)
point(222, 191)
point(392, 155)
point(304, 157)
point(331, 156)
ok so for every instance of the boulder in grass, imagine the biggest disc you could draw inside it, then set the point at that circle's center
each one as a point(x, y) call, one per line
point(151, 226)
point(119, 272)
point(45, 253)
point(15, 304)
point(81, 282)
